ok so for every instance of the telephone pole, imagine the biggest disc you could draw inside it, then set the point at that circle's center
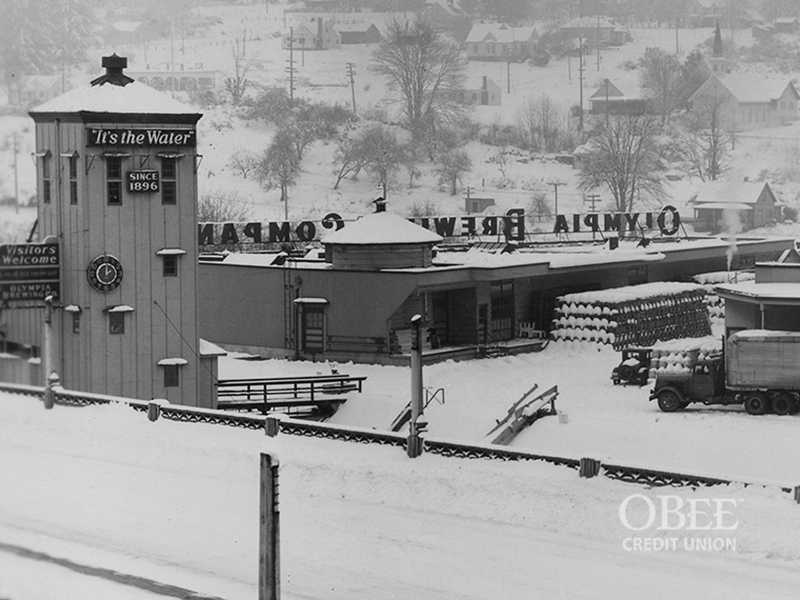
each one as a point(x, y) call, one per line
point(555, 185)
point(580, 81)
point(290, 69)
point(16, 173)
point(598, 42)
point(351, 73)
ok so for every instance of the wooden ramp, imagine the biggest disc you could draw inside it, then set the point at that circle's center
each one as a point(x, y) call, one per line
point(523, 413)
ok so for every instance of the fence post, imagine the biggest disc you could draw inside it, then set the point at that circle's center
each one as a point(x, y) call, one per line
point(269, 587)
point(49, 391)
point(797, 494)
point(589, 467)
point(272, 426)
point(153, 410)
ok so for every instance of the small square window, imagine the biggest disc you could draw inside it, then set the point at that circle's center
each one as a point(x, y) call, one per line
point(116, 323)
point(169, 194)
point(171, 376)
point(170, 266)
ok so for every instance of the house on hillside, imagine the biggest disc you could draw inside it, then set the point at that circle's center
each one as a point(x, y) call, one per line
point(594, 31)
point(618, 98)
point(498, 41)
point(735, 205)
point(446, 15)
point(482, 91)
point(749, 101)
point(180, 80)
point(786, 25)
point(358, 33)
point(316, 34)
point(134, 32)
point(31, 90)
point(706, 13)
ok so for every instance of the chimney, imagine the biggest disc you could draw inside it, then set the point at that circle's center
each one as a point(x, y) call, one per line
point(113, 65)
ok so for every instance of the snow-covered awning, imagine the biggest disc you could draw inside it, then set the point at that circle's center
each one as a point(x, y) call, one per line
point(311, 301)
point(117, 308)
point(165, 362)
point(171, 252)
point(209, 349)
point(170, 155)
point(73, 308)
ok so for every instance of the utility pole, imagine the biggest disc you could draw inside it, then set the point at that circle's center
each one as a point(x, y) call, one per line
point(598, 42)
point(351, 73)
point(555, 185)
point(593, 198)
point(16, 173)
point(677, 45)
point(291, 63)
point(508, 77)
point(580, 81)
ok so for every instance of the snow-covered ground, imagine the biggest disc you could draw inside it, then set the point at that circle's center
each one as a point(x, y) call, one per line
point(135, 506)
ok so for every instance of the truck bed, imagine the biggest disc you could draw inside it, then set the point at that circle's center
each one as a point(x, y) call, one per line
point(763, 359)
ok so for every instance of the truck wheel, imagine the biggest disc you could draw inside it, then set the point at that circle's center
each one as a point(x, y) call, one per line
point(669, 401)
point(755, 403)
point(782, 403)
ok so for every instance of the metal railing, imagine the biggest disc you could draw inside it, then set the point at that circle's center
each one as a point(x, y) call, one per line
point(290, 426)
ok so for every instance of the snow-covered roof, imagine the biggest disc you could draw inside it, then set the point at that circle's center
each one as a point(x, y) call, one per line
point(118, 308)
point(619, 89)
point(592, 22)
point(767, 333)
point(134, 98)
point(500, 33)
point(354, 27)
point(172, 361)
point(761, 291)
point(729, 193)
point(723, 206)
point(171, 252)
point(755, 88)
point(209, 349)
point(382, 228)
point(126, 26)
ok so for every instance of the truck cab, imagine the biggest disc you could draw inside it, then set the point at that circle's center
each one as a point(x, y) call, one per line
point(704, 383)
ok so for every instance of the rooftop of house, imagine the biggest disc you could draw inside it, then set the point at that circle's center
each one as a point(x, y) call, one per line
point(382, 228)
point(500, 33)
point(729, 194)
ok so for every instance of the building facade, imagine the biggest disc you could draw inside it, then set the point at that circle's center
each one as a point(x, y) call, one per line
point(117, 191)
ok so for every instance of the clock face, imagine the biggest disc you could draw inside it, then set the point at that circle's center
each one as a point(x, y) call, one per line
point(104, 273)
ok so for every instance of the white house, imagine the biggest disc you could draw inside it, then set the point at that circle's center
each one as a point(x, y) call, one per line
point(497, 41)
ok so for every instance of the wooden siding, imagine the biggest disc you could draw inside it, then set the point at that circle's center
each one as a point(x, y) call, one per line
point(133, 232)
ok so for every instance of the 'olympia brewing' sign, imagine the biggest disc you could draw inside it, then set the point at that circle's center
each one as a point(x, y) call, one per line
point(511, 226)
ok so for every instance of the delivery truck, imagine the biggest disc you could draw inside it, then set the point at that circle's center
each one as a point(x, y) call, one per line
point(757, 368)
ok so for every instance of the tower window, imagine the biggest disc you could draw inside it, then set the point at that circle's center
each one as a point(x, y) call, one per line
point(76, 322)
point(171, 376)
point(46, 178)
point(73, 179)
point(169, 187)
point(116, 323)
point(171, 266)
point(114, 179)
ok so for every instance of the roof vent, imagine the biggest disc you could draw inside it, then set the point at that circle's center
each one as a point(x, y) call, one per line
point(113, 65)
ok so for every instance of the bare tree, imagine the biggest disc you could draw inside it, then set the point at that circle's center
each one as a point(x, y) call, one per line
point(626, 157)
point(540, 122)
point(451, 166)
point(349, 158)
point(237, 84)
point(383, 151)
point(660, 81)
point(425, 68)
point(501, 160)
point(220, 206)
point(242, 161)
point(705, 146)
point(279, 166)
point(539, 206)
